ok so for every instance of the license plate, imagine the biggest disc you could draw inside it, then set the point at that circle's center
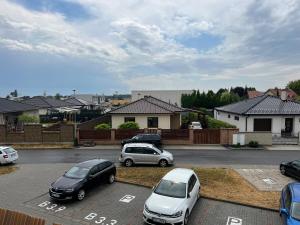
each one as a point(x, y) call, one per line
point(56, 195)
point(157, 220)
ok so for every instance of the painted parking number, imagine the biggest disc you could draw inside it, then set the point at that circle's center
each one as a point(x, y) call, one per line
point(127, 198)
point(234, 221)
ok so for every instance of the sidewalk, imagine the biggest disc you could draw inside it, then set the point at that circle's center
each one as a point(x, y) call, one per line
point(283, 148)
point(166, 147)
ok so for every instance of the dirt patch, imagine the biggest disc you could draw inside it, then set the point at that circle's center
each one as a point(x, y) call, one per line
point(223, 184)
point(7, 169)
point(42, 146)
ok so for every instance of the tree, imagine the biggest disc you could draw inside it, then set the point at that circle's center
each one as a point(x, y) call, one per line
point(295, 86)
point(58, 96)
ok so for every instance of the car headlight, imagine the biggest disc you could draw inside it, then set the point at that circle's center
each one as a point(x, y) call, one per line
point(69, 190)
point(146, 208)
point(177, 214)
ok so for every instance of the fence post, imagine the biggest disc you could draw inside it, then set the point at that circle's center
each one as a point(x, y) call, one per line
point(191, 136)
point(113, 134)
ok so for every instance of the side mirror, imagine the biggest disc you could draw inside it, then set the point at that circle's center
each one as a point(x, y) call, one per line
point(284, 211)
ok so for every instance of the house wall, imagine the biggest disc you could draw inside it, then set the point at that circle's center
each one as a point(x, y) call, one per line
point(175, 121)
point(164, 121)
point(2, 119)
point(241, 123)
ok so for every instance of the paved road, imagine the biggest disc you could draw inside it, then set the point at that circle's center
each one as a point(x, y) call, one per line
point(182, 157)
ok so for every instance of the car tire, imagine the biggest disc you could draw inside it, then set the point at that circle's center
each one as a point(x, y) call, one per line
point(128, 163)
point(163, 163)
point(80, 195)
point(282, 170)
point(186, 217)
point(111, 178)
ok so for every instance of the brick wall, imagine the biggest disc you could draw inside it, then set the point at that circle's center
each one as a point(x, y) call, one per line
point(226, 135)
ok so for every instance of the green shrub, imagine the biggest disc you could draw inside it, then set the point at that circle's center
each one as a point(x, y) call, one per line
point(129, 125)
point(102, 126)
point(213, 123)
point(25, 118)
point(253, 144)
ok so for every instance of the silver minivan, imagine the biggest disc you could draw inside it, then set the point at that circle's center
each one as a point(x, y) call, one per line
point(142, 153)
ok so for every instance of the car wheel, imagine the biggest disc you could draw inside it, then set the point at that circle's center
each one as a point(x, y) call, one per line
point(163, 163)
point(282, 170)
point(128, 162)
point(111, 178)
point(186, 218)
point(80, 195)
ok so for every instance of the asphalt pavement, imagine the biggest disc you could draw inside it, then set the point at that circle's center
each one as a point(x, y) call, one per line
point(182, 156)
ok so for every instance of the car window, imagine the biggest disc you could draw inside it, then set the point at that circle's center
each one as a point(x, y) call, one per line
point(0, 152)
point(192, 183)
point(150, 151)
point(8, 150)
point(296, 163)
point(171, 189)
point(295, 210)
point(94, 170)
point(104, 165)
point(77, 172)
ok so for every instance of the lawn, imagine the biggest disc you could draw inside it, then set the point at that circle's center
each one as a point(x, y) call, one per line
point(223, 184)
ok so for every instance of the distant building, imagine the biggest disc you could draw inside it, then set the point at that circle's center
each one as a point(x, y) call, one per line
point(254, 94)
point(91, 98)
point(169, 96)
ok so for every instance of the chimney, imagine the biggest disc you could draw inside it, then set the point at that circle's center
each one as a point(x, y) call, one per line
point(283, 95)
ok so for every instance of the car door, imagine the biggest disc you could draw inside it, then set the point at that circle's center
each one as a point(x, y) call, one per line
point(192, 196)
point(105, 170)
point(138, 154)
point(151, 156)
point(287, 201)
point(92, 177)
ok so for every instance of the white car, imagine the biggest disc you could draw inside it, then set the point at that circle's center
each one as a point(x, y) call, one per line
point(196, 125)
point(8, 155)
point(173, 199)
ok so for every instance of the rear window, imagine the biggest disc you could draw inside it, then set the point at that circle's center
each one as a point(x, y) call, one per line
point(8, 150)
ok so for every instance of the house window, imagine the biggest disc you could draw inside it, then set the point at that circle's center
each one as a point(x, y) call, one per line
point(152, 122)
point(229, 116)
point(237, 118)
point(129, 119)
point(262, 125)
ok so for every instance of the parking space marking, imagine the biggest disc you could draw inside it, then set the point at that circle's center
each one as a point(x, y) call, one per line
point(51, 207)
point(234, 221)
point(100, 219)
point(269, 181)
point(127, 198)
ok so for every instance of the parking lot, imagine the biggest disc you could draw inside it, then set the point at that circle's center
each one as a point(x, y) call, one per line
point(119, 203)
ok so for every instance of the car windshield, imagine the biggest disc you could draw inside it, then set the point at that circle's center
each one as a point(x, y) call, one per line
point(77, 172)
point(136, 137)
point(171, 189)
point(295, 210)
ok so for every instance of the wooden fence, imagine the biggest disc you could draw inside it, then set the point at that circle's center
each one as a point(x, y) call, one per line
point(127, 133)
point(95, 134)
point(207, 136)
point(175, 134)
point(8, 217)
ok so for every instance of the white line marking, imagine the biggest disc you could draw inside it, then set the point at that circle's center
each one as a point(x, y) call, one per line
point(234, 221)
point(127, 198)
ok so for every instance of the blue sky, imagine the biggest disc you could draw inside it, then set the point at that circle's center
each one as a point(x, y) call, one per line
point(100, 46)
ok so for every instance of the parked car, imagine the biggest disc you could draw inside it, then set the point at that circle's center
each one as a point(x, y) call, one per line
point(195, 125)
point(290, 204)
point(143, 153)
point(154, 139)
point(173, 199)
point(291, 169)
point(8, 155)
point(81, 178)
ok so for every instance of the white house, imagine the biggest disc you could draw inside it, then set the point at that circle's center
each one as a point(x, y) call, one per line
point(263, 113)
point(148, 112)
point(169, 96)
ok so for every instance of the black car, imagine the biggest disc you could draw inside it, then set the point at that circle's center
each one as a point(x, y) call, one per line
point(154, 139)
point(291, 169)
point(81, 178)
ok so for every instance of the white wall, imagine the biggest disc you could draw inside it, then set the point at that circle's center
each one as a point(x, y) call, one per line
point(163, 120)
point(170, 96)
point(241, 123)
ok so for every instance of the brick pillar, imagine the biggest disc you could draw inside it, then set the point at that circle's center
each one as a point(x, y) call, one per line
point(191, 136)
point(112, 134)
point(2, 133)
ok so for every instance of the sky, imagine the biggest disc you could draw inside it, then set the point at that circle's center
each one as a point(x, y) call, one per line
point(100, 46)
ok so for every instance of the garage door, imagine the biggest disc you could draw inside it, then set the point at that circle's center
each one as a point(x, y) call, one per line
point(262, 125)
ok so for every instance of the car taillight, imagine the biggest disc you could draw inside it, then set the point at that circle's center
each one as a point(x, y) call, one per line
point(5, 156)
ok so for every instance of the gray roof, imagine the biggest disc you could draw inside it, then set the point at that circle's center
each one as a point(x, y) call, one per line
point(74, 101)
point(7, 106)
point(45, 102)
point(147, 105)
point(263, 105)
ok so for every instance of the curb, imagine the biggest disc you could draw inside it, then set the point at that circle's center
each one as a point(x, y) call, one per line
point(209, 198)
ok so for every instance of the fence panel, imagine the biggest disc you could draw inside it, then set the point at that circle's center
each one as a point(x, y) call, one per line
point(207, 136)
point(127, 133)
point(94, 134)
point(173, 134)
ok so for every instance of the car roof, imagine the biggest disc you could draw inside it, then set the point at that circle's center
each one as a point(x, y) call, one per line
point(91, 163)
point(295, 189)
point(179, 175)
point(138, 145)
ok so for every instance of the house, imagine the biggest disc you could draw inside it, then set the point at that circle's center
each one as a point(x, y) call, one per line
point(148, 112)
point(10, 110)
point(263, 113)
point(290, 94)
point(47, 104)
point(170, 96)
point(254, 94)
point(80, 103)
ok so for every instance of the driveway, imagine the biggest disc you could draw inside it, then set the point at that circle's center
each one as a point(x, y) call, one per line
point(120, 204)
